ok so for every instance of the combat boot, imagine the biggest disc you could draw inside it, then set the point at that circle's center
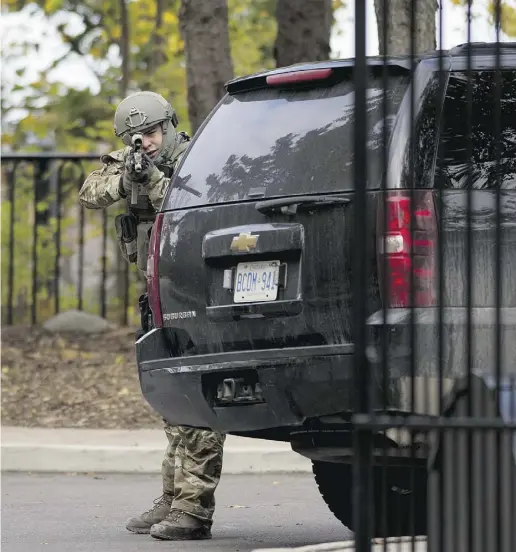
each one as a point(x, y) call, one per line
point(179, 525)
point(142, 524)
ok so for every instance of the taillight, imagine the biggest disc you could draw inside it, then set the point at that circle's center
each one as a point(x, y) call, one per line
point(153, 272)
point(296, 77)
point(404, 250)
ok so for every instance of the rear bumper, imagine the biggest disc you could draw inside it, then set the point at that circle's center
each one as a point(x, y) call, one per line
point(296, 384)
point(303, 383)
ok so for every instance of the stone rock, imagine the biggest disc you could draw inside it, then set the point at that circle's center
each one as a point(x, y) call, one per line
point(78, 321)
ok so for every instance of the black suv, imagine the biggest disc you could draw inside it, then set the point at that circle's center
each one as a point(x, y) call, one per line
point(251, 262)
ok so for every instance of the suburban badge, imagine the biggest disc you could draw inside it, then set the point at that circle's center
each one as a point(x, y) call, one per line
point(244, 242)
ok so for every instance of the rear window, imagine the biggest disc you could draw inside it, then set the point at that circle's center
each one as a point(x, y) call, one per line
point(281, 143)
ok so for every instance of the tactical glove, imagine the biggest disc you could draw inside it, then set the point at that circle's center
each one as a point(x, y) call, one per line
point(130, 176)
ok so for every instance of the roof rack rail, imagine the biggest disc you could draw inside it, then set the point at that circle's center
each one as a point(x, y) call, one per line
point(482, 48)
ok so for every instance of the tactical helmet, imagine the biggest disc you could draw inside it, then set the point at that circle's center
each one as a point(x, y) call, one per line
point(140, 112)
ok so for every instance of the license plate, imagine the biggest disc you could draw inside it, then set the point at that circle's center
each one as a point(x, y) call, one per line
point(256, 281)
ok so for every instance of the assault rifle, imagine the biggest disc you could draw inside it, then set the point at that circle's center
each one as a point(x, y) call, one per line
point(136, 152)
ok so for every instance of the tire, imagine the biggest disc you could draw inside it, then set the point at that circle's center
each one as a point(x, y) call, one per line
point(405, 509)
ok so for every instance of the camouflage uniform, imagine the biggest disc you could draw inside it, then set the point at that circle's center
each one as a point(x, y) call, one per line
point(191, 469)
point(102, 188)
point(192, 464)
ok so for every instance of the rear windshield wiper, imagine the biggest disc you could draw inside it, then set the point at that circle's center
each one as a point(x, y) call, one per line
point(180, 182)
point(290, 205)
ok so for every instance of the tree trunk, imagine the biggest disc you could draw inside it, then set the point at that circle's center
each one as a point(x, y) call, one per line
point(204, 28)
point(158, 54)
point(304, 28)
point(399, 26)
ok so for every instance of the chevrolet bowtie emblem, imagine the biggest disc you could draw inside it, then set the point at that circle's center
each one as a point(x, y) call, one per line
point(244, 242)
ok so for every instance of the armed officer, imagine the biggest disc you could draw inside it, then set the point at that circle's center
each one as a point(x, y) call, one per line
point(192, 465)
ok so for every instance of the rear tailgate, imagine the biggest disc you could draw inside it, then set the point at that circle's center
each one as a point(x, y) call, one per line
point(239, 271)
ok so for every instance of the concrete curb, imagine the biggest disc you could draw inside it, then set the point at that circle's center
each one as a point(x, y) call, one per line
point(403, 544)
point(126, 451)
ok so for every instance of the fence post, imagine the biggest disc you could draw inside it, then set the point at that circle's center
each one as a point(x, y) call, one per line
point(10, 276)
point(362, 436)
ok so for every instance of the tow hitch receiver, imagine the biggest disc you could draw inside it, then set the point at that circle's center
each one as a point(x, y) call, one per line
point(238, 391)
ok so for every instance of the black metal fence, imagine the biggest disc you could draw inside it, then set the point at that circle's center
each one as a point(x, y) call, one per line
point(56, 254)
point(436, 367)
point(443, 349)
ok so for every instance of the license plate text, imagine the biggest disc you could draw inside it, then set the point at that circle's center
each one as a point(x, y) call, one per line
point(257, 281)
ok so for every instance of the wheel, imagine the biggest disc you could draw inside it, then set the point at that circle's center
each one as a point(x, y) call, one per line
point(405, 508)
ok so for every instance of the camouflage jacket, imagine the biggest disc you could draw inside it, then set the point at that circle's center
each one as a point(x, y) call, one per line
point(101, 187)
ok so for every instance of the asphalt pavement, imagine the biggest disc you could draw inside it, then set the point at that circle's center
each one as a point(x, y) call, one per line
point(85, 513)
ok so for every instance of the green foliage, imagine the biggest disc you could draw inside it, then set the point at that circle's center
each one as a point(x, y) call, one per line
point(78, 120)
point(252, 29)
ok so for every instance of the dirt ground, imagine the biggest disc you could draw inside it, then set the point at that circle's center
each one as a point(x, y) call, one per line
point(72, 380)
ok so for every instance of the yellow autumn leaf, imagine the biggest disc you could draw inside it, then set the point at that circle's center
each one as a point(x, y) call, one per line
point(52, 6)
point(96, 52)
point(507, 18)
point(69, 354)
point(170, 18)
point(88, 356)
point(116, 32)
point(60, 343)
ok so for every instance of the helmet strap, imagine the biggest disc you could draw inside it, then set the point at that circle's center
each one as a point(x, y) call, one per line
point(169, 142)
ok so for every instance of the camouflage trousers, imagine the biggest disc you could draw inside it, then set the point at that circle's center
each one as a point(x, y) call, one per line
point(191, 469)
